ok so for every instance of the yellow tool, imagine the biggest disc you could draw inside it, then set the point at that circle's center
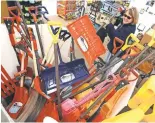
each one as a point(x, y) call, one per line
point(144, 93)
point(54, 38)
point(134, 115)
point(131, 41)
point(150, 117)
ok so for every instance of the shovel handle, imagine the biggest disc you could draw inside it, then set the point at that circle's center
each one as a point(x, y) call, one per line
point(34, 15)
point(43, 11)
point(13, 8)
point(22, 68)
point(117, 40)
point(131, 40)
point(54, 36)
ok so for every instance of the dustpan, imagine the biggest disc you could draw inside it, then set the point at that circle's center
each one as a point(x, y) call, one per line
point(84, 34)
point(70, 73)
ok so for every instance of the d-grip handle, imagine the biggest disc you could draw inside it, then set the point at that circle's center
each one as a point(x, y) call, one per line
point(131, 40)
point(13, 8)
point(43, 11)
point(64, 34)
point(52, 32)
point(116, 48)
point(33, 14)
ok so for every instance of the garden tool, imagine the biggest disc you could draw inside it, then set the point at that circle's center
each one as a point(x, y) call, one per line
point(70, 73)
point(70, 105)
point(134, 115)
point(150, 117)
point(107, 105)
point(144, 93)
point(85, 37)
point(36, 82)
point(22, 16)
point(33, 12)
point(19, 22)
point(20, 97)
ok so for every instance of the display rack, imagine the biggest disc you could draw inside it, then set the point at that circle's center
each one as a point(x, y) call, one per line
point(66, 9)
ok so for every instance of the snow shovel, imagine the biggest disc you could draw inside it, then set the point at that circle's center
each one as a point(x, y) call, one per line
point(70, 73)
point(20, 97)
point(36, 82)
point(34, 15)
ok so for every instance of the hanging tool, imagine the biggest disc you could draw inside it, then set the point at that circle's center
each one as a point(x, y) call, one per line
point(20, 97)
point(33, 12)
point(19, 22)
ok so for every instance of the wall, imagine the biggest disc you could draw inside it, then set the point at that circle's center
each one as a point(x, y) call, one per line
point(145, 18)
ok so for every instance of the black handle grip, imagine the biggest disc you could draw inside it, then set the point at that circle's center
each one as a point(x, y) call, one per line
point(43, 12)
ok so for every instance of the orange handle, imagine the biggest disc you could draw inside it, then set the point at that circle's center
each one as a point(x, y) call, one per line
point(34, 15)
point(117, 40)
point(32, 38)
point(10, 9)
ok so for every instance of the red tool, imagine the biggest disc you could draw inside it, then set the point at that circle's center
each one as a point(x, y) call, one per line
point(7, 85)
point(36, 82)
point(34, 15)
point(18, 19)
point(20, 97)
